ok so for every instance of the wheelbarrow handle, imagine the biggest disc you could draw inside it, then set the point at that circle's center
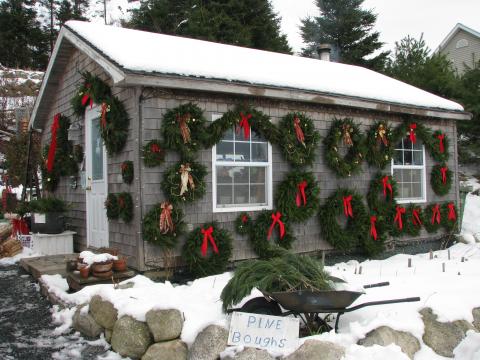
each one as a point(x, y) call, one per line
point(385, 283)
point(382, 302)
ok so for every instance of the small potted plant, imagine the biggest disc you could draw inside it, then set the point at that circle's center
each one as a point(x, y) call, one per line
point(48, 215)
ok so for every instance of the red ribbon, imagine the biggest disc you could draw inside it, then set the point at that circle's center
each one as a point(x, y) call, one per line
point(104, 115)
point(441, 145)
point(413, 138)
point(298, 130)
point(244, 219)
point(347, 206)
point(416, 218)
point(245, 125)
point(436, 214)
point(53, 142)
point(444, 170)
point(451, 212)
point(155, 148)
point(373, 229)
point(207, 236)
point(387, 185)
point(301, 194)
point(398, 217)
point(19, 226)
point(276, 219)
point(86, 97)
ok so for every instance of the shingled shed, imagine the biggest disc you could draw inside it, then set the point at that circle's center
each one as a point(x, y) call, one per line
point(178, 132)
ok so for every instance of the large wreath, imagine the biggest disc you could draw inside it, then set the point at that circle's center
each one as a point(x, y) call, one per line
point(183, 129)
point(207, 250)
point(347, 132)
point(449, 215)
point(298, 196)
point(380, 144)
point(432, 218)
point(270, 234)
point(374, 243)
point(163, 224)
point(299, 139)
point(346, 203)
point(382, 193)
point(439, 146)
point(184, 182)
point(441, 179)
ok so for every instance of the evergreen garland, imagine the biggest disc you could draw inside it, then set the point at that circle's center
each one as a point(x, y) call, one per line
point(127, 171)
point(243, 224)
point(289, 197)
point(151, 227)
point(436, 179)
point(421, 132)
point(172, 182)
point(92, 90)
point(183, 129)
point(125, 206)
point(435, 147)
point(111, 205)
point(356, 231)
point(299, 139)
point(351, 163)
point(380, 144)
point(430, 222)
point(212, 263)
point(450, 225)
point(153, 153)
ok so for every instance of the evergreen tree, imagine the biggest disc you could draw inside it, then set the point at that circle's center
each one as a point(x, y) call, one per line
point(250, 23)
point(349, 29)
point(70, 10)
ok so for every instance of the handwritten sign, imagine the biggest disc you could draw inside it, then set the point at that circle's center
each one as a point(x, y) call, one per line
point(263, 331)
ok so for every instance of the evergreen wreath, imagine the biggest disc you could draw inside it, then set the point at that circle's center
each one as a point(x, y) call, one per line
point(114, 120)
point(298, 196)
point(125, 206)
point(413, 131)
point(243, 119)
point(374, 244)
point(183, 129)
point(166, 239)
point(347, 131)
point(356, 231)
point(111, 205)
point(299, 139)
point(412, 222)
point(439, 147)
point(449, 215)
point(380, 144)
point(382, 193)
point(441, 179)
point(184, 182)
point(207, 250)
point(127, 171)
point(266, 235)
point(243, 224)
point(153, 153)
point(432, 218)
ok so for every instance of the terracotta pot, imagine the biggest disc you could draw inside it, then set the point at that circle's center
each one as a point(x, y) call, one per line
point(84, 272)
point(120, 264)
point(103, 275)
point(102, 267)
point(71, 265)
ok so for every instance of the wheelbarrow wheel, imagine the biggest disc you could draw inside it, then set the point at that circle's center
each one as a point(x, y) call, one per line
point(260, 305)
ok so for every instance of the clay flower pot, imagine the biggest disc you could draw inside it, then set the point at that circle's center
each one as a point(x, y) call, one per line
point(84, 272)
point(120, 264)
point(102, 267)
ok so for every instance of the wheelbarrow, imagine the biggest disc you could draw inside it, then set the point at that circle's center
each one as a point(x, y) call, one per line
point(308, 304)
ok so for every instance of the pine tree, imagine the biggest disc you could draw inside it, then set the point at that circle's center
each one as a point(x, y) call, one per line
point(69, 10)
point(349, 29)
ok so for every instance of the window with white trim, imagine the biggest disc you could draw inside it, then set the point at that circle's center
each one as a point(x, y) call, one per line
point(241, 173)
point(408, 170)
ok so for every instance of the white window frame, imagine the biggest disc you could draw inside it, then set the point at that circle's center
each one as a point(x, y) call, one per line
point(268, 180)
point(423, 180)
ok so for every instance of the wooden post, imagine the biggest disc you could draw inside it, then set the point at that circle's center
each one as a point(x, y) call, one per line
point(410, 262)
point(448, 254)
point(463, 259)
point(323, 258)
point(360, 271)
point(443, 267)
point(431, 254)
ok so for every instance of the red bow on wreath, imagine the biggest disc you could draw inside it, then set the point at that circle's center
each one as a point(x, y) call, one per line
point(166, 224)
point(244, 219)
point(207, 236)
point(443, 171)
point(53, 142)
point(301, 194)
point(245, 125)
point(276, 220)
point(416, 218)
point(413, 138)
point(398, 217)
point(451, 212)
point(347, 206)
point(387, 185)
point(298, 130)
point(87, 96)
point(373, 229)
point(154, 148)
point(436, 217)
point(441, 146)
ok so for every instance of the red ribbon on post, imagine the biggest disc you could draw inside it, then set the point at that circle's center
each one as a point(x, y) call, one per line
point(298, 130)
point(441, 145)
point(416, 218)
point(53, 142)
point(398, 217)
point(276, 220)
point(411, 134)
point(444, 170)
point(207, 237)
point(373, 229)
point(387, 185)
point(245, 125)
point(451, 212)
point(436, 217)
point(301, 194)
point(347, 206)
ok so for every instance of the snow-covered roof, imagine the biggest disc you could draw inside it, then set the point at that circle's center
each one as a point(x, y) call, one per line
point(144, 52)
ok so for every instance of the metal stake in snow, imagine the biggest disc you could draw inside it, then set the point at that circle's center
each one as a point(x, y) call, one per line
point(448, 254)
point(410, 262)
point(431, 254)
point(443, 267)
point(360, 271)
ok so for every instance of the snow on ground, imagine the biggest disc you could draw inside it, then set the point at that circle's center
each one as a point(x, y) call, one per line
point(26, 253)
point(451, 294)
point(470, 230)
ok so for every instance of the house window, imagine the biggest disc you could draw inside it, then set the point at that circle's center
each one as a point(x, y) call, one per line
point(241, 173)
point(462, 43)
point(408, 170)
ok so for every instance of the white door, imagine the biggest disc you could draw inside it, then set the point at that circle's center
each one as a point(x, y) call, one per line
point(97, 181)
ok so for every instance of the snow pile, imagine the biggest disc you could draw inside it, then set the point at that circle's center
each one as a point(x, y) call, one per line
point(90, 258)
point(143, 51)
point(26, 253)
point(451, 294)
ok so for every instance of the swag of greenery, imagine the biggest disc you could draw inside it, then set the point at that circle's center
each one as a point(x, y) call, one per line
point(114, 121)
point(243, 224)
point(441, 179)
point(207, 250)
point(413, 131)
point(171, 220)
point(380, 144)
point(298, 196)
point(346, 203)
point(153, 153)
point(299, 139)
point(346, 131)
point(127, 171)
point(184, 182)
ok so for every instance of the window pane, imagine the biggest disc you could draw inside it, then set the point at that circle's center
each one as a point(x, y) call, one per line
point(408, 157)
point(239, 134)
point(228, 135)
point(259, 152)
point(398, 157)
point(256, 137)
point(225, 151)
point(418, 145)
point(97, 152)
point(240, 174)
point(418, 157)
point(240, 194)
point(224, 194)
point(407, 144)
point(397, 175)
point(257, 194)
point(257, 175)
point(224, 175)
point(416, 190)
point(242, 151)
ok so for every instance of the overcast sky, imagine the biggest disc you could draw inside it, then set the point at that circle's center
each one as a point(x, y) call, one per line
point(396, 18)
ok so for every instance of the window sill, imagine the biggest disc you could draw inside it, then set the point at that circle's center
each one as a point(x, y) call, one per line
point(411, 201)
point(242, 208)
